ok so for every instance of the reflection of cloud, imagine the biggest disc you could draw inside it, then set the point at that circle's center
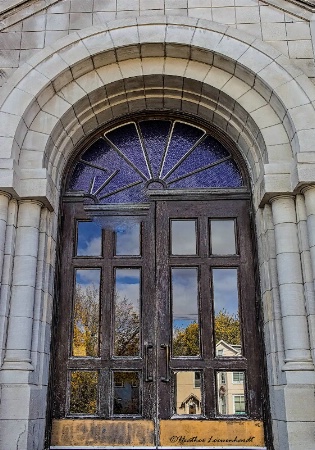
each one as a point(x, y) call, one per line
point(185, 294)
point(183, 237)
point(223, 237)
point(93, 248)
point(89, 239)
point(128, 285)
point(128, 239)
point(85, 277)
point(225, 290)
point(127, 232)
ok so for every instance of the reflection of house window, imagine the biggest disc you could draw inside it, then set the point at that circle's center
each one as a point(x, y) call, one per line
point(119, 383)
point(239, 404)
point(197, 380)
point(223, 405)
point(238, 377)
point(222, 377)
point(220, 352)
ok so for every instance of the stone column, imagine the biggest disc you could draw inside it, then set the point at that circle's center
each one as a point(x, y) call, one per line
point(309, 196)
point(291, 289)
point(4, 205)
point(19, 340)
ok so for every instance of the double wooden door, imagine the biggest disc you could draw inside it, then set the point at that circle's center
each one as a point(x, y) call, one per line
point(157, 334)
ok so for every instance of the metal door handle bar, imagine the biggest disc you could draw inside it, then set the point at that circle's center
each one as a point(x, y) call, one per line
point(146, 356)
point(166, 347)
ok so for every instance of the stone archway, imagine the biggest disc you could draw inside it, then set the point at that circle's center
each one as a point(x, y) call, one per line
point(202, 68)
point(245, 88)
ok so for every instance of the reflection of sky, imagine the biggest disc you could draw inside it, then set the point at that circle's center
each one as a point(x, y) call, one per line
point(184, 296)
point(88, 281)
point(128, 285)
point(128, 239)
point(88, 277)
point(225, 290)
point(127, 235)
point(183, 237)
point(89, 239)
point(222, 237)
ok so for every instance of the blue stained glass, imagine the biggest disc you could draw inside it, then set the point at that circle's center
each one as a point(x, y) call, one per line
point(97, 152)
point(183, 138)
point(135, 194)
point(120, 180)
point(119, 173)
point(209, 151)
point(126, 139)
point(224, 175)
point(104, 172)
point(82, 177)
point(155, 134)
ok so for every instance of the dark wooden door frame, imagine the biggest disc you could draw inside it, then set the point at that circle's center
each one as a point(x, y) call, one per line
point(251, 362)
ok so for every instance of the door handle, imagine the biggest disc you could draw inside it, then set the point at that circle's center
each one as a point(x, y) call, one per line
point(166, 347)
point(147, 377)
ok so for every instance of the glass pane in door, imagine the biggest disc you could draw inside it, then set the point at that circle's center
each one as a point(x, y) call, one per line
point(127, 238)
point(127, 312)
point(85, 341)
point(184, 282)
point(83, 392)
point(230, 387)
point(126, 393)
point(222, 237)
point(188, 392)
point(226, 312)
point(183, 237)
point(89, 239)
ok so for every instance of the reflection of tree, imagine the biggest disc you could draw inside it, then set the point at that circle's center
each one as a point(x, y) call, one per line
point(127, 327)
point(86, 321)
point(227, 328)
point(186, 340)
point(83, 392)
point(83, 398)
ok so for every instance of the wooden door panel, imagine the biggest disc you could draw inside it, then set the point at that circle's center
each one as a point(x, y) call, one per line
point(172, 384)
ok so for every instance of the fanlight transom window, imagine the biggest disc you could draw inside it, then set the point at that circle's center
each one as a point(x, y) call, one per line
point(124, 162)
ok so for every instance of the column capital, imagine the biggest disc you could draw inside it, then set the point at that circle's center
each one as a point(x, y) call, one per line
point(310, 187)
point(31, 201)
point(281, 197)
point(5, 194)
point(283, 209)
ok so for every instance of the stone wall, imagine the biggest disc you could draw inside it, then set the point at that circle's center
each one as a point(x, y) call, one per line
point(282, 24)
point(122, 63)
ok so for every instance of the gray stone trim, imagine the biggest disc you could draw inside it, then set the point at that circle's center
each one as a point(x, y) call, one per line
point(23, 9)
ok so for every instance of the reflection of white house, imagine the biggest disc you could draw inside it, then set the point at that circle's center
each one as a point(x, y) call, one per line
point(229, 387)
point(224, 349)
point(188, 392)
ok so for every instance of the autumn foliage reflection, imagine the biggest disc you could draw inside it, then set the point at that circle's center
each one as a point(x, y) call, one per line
point(227, 328)
point(83, 398)
point(86, 321)
point(127, 328)
point(186, 340)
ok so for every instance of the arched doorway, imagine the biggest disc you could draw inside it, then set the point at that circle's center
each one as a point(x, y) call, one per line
point(158, 331)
